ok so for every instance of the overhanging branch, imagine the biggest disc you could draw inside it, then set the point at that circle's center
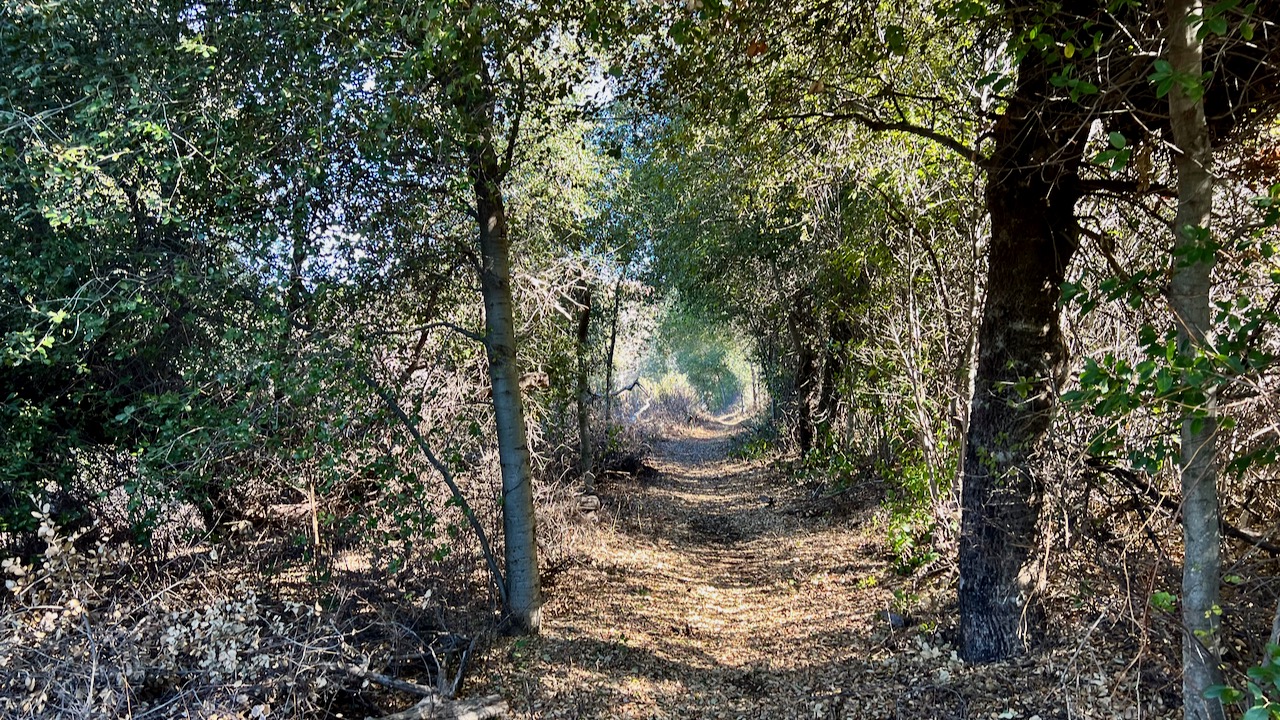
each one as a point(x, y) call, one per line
point(878, 125)
point(499, 582)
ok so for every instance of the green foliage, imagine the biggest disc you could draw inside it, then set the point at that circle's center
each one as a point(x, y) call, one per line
point(1117, 158)
point(761, 443)
point(703, 354)
point(1161, 383)
point(111, 275)
point(911, 540)
point(1165, 602)
point(1262, 690)
point(835, 467)
point(167, 330)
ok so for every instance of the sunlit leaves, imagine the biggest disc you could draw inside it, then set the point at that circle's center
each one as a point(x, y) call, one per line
point(1116, 158)
point(1164, 383)
point(1165, 78)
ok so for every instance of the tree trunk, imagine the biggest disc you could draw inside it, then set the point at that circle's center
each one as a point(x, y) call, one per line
point(1275, 634)
point(839, 333)
point(608, 368)
point(1021, 356)
point(806, 372)
point(1189, 298)
point(586, 456)
point(473, 97)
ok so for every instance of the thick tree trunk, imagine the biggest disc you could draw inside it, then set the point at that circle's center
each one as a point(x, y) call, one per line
point(1189, 298)
point(473, 98)
point(586, 454)
point(1021, 356)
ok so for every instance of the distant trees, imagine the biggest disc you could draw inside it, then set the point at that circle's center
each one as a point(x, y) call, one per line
point(1021, 90)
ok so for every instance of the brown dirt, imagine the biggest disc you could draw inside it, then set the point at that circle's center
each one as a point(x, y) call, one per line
point(714, 591)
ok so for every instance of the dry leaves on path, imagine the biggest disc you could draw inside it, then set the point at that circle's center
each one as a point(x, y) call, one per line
point(706, 593)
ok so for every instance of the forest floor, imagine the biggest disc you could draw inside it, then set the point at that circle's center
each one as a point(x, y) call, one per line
point(717, 588)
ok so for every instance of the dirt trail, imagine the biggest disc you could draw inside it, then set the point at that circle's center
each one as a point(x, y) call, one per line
point(713, 591)
point(706, 592)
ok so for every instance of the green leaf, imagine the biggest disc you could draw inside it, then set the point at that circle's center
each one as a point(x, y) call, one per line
point(1227, 695)
point(1257, 712)
point(1163, 601)
point(895, 38)
point(1212, 26)
point(1117, 140)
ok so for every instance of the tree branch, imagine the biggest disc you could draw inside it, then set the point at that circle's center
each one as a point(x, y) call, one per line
point(499, 582)
point(470, 335)
point(1123, 187)
point(1147, 493)
point(871, 123)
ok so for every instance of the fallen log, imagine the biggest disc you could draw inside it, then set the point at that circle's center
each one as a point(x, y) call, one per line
point(439, 708)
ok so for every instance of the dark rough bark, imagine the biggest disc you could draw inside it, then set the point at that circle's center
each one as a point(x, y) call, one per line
point(608, 366)
point(806, 373)
point(586, 454)
point(1031, 195)
point(840, 332)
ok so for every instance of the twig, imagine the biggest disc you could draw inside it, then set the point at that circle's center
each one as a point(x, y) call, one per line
point(498, 580)
point(394, 683)
point(462, 666)
point(469, 334)
point(1154, 497)
point(492, 706)
point(634, 384)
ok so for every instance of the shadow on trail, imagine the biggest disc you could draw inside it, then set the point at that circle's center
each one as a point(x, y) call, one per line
point(709, 590)
point(710, 505)
point(711, 595)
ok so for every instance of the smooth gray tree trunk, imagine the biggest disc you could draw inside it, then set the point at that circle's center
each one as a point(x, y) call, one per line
point(524, 593)
point(1189, 298)
point(470, 90)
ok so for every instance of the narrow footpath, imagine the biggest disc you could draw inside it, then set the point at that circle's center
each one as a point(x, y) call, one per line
point(714, 588)
point(707, 592)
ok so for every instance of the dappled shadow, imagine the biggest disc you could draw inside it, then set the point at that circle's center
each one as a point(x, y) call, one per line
point(706, 592)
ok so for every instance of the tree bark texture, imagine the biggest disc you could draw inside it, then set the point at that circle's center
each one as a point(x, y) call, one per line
point(473, 98)
point(586, 454)
point(839, 333)
point(1189, 299)
point(1031, 194)
point(608, 366)
point(806, 373)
